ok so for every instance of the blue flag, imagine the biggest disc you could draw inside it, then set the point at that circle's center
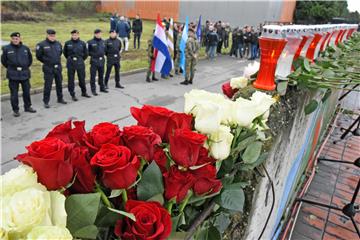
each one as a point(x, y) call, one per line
point(184, 38)
point(198, 30)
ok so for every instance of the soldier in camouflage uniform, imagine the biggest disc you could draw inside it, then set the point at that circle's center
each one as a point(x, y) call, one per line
point(191, 54)
point(178, 54)
point(150, 53)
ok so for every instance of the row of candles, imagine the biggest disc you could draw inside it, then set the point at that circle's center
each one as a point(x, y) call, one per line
point(280, 46)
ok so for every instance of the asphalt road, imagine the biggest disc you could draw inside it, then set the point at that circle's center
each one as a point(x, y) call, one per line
point(16, 133)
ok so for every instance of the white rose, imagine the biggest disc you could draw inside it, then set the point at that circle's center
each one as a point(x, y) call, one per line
point(238, 83)
point(49, 232)
point(251, 69)
point(244, 112)
point(220, 143)
point(32, 207)
point(208, 117)
point(18, 179)
point(25, 209)
point(263, 102)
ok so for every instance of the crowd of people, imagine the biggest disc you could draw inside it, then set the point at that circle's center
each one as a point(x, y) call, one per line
point(17, 57)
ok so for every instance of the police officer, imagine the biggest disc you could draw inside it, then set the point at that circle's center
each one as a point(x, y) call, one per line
point(75, 52)
point(150, 54)
point(191, 54)
point(17, 59)
point(96, 47)
point(49, 53)
point(112, 52)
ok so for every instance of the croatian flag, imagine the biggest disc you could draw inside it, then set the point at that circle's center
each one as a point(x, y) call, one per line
point(163, 62)
point(182, 45)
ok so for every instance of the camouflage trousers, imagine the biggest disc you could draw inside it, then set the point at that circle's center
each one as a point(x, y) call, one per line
point(177, 61)
point(148, 73)
point(190, 68)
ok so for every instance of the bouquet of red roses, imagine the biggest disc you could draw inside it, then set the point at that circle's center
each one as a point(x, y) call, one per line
point(152, 180)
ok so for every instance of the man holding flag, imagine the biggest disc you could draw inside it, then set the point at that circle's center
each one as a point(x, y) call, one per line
point(191, 53)
point(182, 46)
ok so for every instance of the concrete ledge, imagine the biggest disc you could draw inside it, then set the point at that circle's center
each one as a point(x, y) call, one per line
point(6, 96)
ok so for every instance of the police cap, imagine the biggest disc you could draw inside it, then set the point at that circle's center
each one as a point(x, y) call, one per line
point(15, 34)
point(97, 31)
point(50, 31)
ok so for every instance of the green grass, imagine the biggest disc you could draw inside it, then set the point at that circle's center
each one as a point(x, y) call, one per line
point(32, 33)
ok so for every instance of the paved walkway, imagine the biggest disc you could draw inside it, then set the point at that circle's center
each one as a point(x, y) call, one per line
point(113, 106)
point(334, 184)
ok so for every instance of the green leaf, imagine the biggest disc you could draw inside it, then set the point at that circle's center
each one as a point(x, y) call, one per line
point(82, 210)
point(328, 73)
point(126, 214)
point(252, 152)
point(115, 193)
point(87, 232)
point(281, 87)
point(326, 95)
point(222, 221)
point(231, 198)
point(261, 159)
point(208, 233)
point(311, 106)
point(306, 65)
point(106, 217)
point(157, 198)
point(178, 235)
point(151, 183)
point(243, 144)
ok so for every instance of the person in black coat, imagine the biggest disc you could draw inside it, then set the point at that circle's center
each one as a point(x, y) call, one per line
point(137, 28)
point(112, 52)
point(96, 48)
point(113, 21)
point(75, 52)
point(49, 53)
point(17, 59)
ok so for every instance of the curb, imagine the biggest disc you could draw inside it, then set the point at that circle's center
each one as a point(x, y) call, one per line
point(6, 96)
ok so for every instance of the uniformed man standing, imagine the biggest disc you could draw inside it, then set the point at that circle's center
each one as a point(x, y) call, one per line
point(112, 52)
point(49, 53)
point(17, 59)
point(96, 47)
point(75, 52)
point(191, 55)
point(150, 53)
point(178, 51)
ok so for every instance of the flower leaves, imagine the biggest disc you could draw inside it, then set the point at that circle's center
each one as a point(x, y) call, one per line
point(151, 183)
point(252, 152)
point(311, 106)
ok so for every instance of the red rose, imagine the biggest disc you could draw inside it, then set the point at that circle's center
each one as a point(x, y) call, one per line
point(153, 222)
point(152, 117)
point(85, 178)
point(101, 134)
point(227, 90)
point(185, 146)
point(50, 160)
point(178, 121)
point(204, 157)
point(68, 134)
point(160, 159)
point(206, 182)
point(119, 168)
point(177, 183)
point(141, 140)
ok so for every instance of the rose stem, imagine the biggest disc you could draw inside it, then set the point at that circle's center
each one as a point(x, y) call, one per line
point(124, 195)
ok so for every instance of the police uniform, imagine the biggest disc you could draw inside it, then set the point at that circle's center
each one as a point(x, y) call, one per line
point(75, 52)
point(96, 48)
point(191, 55)
point(112, 52)
point(17, 59)
point(150, 54)
point(49, 53)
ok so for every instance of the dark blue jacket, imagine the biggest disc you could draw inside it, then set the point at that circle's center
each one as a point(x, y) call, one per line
point(49, 53)
point(123, 29)
point(75, 52)
point(16, 59)
point(113, 22)
point(112, 50)
point(96, 48)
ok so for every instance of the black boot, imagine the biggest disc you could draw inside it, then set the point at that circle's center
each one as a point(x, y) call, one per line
point(16, 114)
point(186, 82)
point(74, 98)
point(30, 110)
point(62, 101)
point(118, 85)
point(154, 78)
point(148, 79)
point(85, 95)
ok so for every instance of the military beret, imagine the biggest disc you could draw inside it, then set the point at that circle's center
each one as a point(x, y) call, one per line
point(15, 34)
point(50, 31)
point(97, 31)
point(74, 31)
point(112, 30)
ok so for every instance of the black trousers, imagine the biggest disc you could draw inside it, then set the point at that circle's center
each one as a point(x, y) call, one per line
point(51, 73)
point(137, 37)
point(14, 97)
point(219, 46)
point(108, 71)
point(95, 68)
point(71, 79)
